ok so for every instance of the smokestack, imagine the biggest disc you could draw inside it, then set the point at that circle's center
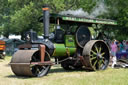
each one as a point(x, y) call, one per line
point(46, 21)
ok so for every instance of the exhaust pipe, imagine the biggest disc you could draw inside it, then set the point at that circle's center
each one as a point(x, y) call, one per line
point(46, 21)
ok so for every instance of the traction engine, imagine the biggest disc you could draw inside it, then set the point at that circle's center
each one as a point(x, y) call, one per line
point(71, 45)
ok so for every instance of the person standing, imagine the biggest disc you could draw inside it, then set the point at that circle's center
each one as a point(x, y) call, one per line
point(127, 46)
point(121, 46)
point(124, 45)
point(113, 53)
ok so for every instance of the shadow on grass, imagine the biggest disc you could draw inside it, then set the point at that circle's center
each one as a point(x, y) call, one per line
point(61, 70)
point(18, 77)
point(54, 70)
point(58, 70)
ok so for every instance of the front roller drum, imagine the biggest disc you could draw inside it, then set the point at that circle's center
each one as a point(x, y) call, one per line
point(21, 63)
point(96, 55)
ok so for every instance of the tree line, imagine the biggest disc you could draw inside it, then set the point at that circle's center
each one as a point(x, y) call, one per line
point(18, 16)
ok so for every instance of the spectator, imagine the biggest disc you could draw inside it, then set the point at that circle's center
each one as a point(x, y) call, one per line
point(121, 47)
point(114, 59)
point(113, 49)
point(124, 45)
point(127, 46)
point(115, 41)
point(113, 53)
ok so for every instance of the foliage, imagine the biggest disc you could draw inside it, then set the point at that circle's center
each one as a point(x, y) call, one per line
point(18, 16)
point(28, 21)
point(118, 10)
point(4, 17)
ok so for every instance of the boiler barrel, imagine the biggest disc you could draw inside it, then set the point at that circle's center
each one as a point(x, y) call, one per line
point(61, 50)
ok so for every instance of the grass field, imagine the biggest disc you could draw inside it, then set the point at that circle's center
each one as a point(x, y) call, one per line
point(58, 76)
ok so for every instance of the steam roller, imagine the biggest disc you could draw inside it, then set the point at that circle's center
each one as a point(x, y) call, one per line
point(27, 63)
point(70, 44)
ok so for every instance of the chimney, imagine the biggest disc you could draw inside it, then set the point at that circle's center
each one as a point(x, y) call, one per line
point(46, 21)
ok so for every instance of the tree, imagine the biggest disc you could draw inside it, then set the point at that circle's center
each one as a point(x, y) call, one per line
point(118, 10)
point(18, 16)
point(4, 18)
point(24, 14)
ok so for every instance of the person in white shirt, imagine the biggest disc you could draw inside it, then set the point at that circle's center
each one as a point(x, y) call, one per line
point(114, 60)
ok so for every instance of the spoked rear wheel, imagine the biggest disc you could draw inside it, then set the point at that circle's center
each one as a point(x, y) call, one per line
point(96, 55)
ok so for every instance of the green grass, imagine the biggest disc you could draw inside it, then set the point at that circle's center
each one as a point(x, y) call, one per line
point(58, 76)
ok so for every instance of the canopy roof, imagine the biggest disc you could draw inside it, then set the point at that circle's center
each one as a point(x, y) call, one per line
point(70, 19)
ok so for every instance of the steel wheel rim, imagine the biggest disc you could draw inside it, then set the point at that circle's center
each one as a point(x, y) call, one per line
point(96, 54)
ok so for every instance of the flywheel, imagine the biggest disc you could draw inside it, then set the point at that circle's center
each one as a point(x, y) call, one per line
point(96, 55)
point(83, 35)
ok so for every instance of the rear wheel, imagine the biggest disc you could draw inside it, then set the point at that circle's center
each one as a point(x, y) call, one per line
point(96, 55)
